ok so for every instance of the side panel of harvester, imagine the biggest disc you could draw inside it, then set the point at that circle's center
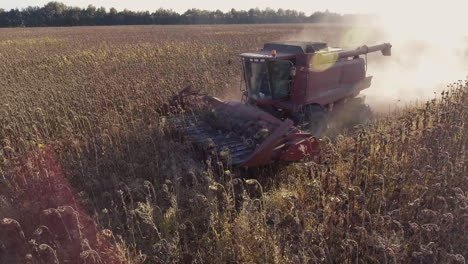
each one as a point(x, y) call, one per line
point(325, 77)
point(334, 81)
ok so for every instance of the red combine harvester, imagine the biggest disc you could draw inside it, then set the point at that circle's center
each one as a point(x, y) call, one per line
point(291, 90)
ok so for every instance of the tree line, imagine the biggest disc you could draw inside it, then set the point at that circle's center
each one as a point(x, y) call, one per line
point(59, 14)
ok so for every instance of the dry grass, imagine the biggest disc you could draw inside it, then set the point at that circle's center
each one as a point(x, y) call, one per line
point(88, 174)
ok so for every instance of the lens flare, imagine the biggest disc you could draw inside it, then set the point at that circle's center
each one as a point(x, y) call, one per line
point(322, 61)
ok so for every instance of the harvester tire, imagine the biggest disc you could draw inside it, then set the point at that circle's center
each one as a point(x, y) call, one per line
point(316, 117)
point(365, 114)
point(354, 113)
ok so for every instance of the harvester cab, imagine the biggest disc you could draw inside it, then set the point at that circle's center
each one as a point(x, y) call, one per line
point(269, 73)
point(291, 90)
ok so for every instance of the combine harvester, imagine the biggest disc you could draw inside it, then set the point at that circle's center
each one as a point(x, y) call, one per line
point(292, 90)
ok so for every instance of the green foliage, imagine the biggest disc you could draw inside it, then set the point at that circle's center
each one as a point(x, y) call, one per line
point(58, 14)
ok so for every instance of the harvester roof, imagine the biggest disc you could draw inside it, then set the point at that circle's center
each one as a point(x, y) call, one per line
point(285, 49)
point(267, 55)
point(295, 47)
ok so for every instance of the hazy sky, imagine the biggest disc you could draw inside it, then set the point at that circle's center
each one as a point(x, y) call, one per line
point(343, 6)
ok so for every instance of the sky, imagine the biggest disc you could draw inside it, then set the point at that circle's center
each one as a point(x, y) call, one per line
point(343, 6)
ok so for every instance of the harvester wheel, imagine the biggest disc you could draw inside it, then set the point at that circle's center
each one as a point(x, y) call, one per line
point(316, 118)
point(364, 114)
point(354, 113)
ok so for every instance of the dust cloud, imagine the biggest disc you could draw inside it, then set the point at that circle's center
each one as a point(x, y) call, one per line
point(430, 49)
